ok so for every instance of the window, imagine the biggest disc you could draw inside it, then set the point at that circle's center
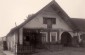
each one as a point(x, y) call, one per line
point(53, 36)
point(44, 37)
point(44, 20)
point(53, 20)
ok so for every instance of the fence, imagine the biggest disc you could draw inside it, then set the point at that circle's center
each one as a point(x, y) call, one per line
point(24, 50)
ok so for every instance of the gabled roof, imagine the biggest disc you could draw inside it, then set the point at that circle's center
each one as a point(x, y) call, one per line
point(57, 9)
point(80, 23)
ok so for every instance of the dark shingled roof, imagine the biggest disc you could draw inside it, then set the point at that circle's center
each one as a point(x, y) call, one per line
point(79, 22)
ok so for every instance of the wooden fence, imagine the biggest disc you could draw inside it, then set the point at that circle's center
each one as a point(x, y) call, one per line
point(24, 50)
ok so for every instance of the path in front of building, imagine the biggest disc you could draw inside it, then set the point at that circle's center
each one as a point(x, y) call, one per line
point(1, 51)
point(64, 51)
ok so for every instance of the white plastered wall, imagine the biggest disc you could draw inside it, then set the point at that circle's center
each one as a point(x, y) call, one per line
point(12, 41)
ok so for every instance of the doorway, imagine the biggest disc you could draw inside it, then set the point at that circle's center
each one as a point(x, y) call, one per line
point(66, 39)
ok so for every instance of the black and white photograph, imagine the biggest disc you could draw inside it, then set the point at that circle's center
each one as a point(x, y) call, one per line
point(42, 27)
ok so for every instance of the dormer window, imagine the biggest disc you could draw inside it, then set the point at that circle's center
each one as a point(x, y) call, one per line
point(46, 20)
point(49, 22)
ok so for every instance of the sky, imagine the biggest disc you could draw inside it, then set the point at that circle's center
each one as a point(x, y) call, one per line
point(12, 11)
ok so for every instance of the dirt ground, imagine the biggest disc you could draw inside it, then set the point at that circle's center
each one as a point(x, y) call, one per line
point(1, 51)
point(63, 51)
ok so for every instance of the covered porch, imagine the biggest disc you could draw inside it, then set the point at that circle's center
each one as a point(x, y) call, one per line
point(31, 39)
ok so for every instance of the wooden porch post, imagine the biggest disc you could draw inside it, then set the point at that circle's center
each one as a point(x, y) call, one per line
point(48, 36)
point(58, 36)
point(18, 38)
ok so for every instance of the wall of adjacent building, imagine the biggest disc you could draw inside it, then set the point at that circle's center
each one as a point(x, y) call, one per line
point(12, 41)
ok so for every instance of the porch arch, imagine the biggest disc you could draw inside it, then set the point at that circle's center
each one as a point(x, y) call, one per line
point(66, 39)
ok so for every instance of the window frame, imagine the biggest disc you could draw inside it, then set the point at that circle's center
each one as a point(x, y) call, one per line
point(46, 35)
point(51, 36)
point(53, 20)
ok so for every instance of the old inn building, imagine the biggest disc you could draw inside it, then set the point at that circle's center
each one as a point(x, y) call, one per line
point(49, 26)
